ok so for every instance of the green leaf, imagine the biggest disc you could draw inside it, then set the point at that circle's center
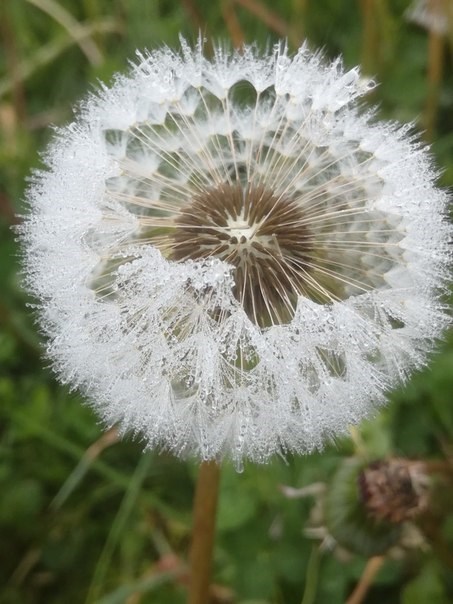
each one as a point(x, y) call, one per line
point(426, 588)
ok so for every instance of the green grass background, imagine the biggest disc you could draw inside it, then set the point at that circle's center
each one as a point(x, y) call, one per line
point(83, 522)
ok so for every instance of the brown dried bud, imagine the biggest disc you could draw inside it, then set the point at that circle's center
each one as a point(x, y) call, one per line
point(395, 490)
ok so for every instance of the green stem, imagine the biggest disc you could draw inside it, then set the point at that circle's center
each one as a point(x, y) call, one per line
point(311, 576)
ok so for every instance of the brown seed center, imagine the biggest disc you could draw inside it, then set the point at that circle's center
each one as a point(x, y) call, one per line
point(263, 235)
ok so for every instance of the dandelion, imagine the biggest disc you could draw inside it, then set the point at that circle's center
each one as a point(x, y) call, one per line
point(231, 258)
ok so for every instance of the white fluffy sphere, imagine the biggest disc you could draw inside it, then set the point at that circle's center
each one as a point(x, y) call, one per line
point(231, 258)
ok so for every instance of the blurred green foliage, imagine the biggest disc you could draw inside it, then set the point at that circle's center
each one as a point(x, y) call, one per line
point(84, 518)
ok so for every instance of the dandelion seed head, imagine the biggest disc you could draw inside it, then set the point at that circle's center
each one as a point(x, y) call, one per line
point(232, 258)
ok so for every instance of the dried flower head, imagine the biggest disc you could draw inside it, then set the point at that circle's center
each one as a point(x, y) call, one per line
point(231, 258)
point(394, 490)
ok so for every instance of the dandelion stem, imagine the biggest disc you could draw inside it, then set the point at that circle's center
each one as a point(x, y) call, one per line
point(371, 570)
point(204, 514)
